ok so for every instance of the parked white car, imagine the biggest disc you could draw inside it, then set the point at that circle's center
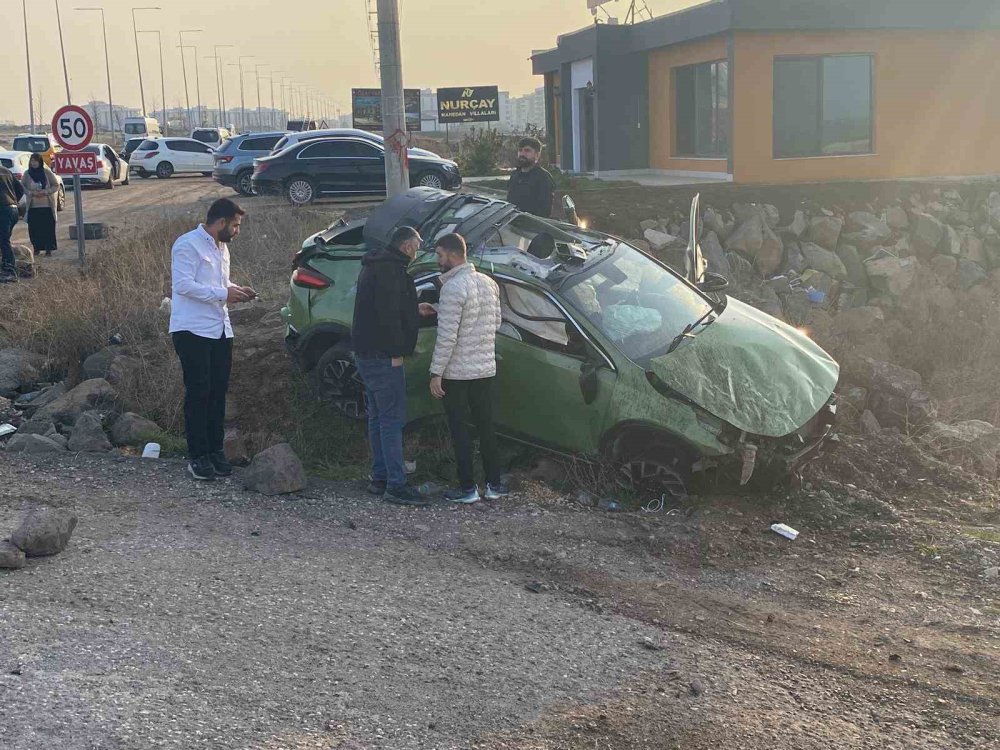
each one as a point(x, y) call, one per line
point(166, 157)
point(111, 168)
point(17, 163)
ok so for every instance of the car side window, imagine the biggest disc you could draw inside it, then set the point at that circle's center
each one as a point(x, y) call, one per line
point(178, 146)
point(532, 318)
point(365, 151)
point(327, 150)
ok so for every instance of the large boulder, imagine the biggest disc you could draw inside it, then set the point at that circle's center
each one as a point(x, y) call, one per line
point(896, 395)
point(748, 236)
point(896, 218)
point(98, 364)
point(275, 471)
point(715, 256)
point(891, 276)
point(88, 435)
point(660, 241)
point(44, 427)
point(993, 210)
point(945, 268)
point(131, 429)
point(33, 444)
point(854, 265)
point(866, 230)
point(970, 274)
point(823, 260)
point(971, 442)
point(11, 556)
point(90, 395)
point(825, 231)
point(714, 221)
point(798, 225)
point(24, 261)
point(974, 249)
point(858, 320)
point(951, 242)
point(46, 397)
point(18, 371)
point(44, 532)
point(925, 235)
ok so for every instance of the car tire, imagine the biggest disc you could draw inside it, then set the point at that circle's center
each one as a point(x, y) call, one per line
point(336, 381)
point(244, 183)
point(657, 470)
point(144, 174)
point(300, 191)
point(206, 174)
point(164, 170)
point(430, 179)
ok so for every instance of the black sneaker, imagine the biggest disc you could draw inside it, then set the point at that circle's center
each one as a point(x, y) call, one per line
point(8, 277)
point(221, 465)
point(376, 487)
point(202, 469)
point(405, 495)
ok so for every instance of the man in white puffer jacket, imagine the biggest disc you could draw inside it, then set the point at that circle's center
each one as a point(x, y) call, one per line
point(464, 364)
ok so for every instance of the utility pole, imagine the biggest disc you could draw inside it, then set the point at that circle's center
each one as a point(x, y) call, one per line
point(274, 112)
point(199, 109)
point(284, 107)
point(163, 95)
point(187, 100)
point(107, 67)
point(221, 82)
point(27, 55)
point(243, 105)
point(260, 116)
point(397, 172)
point(138, 61)
point(62, 49)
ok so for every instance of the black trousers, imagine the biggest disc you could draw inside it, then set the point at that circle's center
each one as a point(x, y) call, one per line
point(475, 398)
point(206, 364)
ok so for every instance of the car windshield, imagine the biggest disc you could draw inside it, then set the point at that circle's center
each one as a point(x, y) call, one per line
point(35, 145)
point(149, 146)
point(134, 128)
point(634, 301)
point(205, 136)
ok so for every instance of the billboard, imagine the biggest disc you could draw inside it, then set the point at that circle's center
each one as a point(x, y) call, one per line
point(469, 104)
point(366, 108)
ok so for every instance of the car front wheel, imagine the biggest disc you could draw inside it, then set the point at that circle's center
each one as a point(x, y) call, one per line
point(164, 170)
point(657, 471)
point(431, 180)
point(300, 191)
point(338, 383)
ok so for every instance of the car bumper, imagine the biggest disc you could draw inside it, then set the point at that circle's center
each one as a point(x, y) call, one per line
point(224, 179)
point(265, 186)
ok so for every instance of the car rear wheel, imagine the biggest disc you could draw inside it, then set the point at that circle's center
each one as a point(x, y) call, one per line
point(657, 471)
point(144, 174)
point(338, 383)
point(300, 191)
point(244, 182)
point(431, 180)
point(164, 170)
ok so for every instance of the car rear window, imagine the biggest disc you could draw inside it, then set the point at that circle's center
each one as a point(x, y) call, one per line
point(35, 145)
point(205, 136)
point(259, 144)
point(148, 146)
point(7, 163)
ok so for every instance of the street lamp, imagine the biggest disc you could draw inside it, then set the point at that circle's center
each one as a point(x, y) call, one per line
point(62, 50)
point(243, 108)
point(274, 112)
point(107, 67)
point(221, 82)
point(260, 116)
point(138, 62)
point(187, 101)
point(163, 90)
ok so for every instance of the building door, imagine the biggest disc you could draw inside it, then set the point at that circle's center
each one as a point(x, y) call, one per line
point(587, 152)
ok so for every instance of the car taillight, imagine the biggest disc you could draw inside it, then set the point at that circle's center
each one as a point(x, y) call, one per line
point(223, 159)
point(150, 154)
point(310, 279)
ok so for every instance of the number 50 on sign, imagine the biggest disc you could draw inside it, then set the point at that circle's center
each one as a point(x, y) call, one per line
point(72, 128)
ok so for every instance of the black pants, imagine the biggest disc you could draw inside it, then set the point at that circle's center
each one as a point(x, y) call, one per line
point(42, 230)
point(8, 218)
point(476, 397)
point(206, 364)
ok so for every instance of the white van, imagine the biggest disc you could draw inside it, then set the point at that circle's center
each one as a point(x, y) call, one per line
point(145, 127)
point(211, 136)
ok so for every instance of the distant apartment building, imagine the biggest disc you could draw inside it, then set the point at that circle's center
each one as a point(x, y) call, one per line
point(528, 111)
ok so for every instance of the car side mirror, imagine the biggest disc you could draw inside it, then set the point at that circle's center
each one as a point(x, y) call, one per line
point(590, 383)
point(713, 282)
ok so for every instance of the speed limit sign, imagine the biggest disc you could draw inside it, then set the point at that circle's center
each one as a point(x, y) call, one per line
point(72, 127)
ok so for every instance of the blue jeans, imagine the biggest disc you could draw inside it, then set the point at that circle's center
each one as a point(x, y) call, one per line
point(8, 218)
point(385, 394)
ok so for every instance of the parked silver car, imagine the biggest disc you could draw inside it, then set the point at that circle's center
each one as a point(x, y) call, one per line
point(234, 159)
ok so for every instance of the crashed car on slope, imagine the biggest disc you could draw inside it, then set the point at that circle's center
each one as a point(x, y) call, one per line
point(603, 350)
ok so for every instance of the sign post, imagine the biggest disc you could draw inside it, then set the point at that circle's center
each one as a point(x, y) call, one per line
point(73, 130)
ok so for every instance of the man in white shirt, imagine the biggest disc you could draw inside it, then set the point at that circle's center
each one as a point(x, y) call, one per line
point(202, 333)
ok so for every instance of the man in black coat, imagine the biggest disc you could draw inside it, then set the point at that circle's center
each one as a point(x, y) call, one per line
point(530, 186)
point(10, 193)
point(386, 321)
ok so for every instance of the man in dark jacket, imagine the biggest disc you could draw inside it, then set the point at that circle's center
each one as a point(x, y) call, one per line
point(530, 186)
point(386, 320)
point(10, 193)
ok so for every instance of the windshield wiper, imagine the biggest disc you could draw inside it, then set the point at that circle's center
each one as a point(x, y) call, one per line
point(686, 333)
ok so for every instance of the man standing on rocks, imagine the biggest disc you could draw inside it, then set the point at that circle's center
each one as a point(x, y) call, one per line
point(464, 364)
point(530, 186)
point(202, 333)
point(386, 321)
point(10, 193)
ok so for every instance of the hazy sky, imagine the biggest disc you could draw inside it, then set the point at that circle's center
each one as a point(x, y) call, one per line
point(323, 44)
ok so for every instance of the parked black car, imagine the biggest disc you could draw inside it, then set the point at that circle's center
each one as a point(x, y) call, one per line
point(130, 146)
point(342, 166)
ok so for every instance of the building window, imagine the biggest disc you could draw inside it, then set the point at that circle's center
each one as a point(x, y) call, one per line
point(822, 106)
point(702, 110)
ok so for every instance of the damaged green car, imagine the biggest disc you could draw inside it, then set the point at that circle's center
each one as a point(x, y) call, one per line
point(603, 351)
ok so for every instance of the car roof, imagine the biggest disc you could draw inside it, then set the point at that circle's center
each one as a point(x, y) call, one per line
point(15, 153)
point(264, 134)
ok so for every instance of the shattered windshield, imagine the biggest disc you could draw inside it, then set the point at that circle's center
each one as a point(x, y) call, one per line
point(634, 301)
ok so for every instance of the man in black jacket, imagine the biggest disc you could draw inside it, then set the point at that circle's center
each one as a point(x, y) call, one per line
point(10, 193)
point(386, 320)
point(530, 186)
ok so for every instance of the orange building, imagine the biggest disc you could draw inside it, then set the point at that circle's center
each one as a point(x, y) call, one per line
point(779, 91)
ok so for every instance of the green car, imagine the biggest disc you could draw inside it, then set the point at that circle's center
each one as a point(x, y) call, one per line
point(603, 352)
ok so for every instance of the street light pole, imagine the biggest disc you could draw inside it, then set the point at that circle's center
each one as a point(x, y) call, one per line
point(27, 56)
point(199, 109)
point(163, 95)
point(62, 49)
point(187, 100)
point(260, 116)
point(138, 61)
point(107, 67)
point(221, 81)
point(397, 173)
point(284, 107)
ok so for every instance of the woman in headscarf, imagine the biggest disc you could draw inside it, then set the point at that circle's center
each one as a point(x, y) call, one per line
point(41, 190)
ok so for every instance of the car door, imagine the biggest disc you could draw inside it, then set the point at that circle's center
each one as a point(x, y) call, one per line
point(179, 156)
point(543, 361)
point(329, 163)
point(202, 157)
point(370, 163)
point(419, 402)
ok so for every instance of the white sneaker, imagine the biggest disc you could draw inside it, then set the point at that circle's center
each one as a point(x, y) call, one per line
point(465, 497)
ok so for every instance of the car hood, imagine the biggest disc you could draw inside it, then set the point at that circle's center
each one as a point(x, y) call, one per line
point(751, 370)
